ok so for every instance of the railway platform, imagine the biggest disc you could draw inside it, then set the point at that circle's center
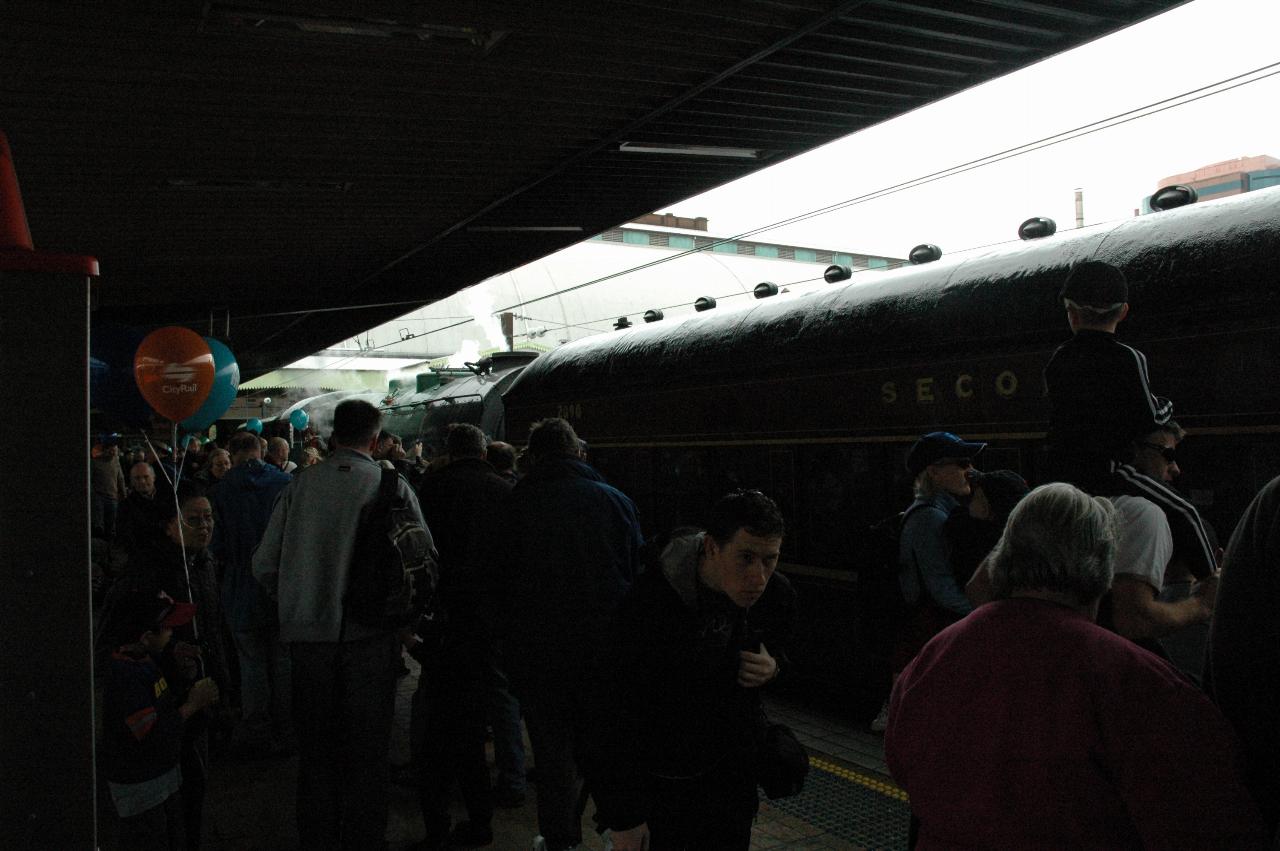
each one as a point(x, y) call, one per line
point(848, 802)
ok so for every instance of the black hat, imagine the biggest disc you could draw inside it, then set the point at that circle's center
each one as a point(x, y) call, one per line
point(1003, 489)
point(136, 611)
point(935, 446)
point(1095, 284)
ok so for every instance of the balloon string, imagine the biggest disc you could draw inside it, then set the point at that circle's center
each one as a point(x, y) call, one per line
point(163, 471)
point(182, 539)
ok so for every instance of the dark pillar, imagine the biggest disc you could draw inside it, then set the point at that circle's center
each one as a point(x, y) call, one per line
point(46, 676)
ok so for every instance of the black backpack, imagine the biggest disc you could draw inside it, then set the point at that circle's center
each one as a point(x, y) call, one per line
point(879, 603)
point(394, 568)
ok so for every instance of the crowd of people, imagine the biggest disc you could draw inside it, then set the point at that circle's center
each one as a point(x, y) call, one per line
point(1077, 665)
point(1077, 684)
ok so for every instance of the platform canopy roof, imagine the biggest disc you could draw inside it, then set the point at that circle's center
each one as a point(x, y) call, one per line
point(297, 172)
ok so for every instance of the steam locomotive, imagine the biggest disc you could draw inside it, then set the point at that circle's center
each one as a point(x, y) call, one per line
point(815, 399)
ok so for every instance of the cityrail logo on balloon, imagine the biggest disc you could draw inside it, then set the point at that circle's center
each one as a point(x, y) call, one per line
point(178, 378)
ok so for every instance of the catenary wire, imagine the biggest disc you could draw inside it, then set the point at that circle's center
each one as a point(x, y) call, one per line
point(1148, 110)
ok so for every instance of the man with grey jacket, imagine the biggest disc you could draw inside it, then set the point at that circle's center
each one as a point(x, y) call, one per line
point(343, 672)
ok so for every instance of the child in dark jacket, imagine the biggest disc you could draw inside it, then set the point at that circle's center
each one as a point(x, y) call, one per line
point(1100, 402)
point(142, 722)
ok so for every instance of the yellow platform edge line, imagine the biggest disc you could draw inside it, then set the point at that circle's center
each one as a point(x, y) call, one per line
point(884, 787)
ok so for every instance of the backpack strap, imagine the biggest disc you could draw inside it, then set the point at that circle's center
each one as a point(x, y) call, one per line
point(387, 490)
point(389, 486)
point(907, 512)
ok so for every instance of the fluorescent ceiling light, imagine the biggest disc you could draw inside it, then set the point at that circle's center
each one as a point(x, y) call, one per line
point(525, 228)
point(233, 184)
point(691, 150)
point(233, 16)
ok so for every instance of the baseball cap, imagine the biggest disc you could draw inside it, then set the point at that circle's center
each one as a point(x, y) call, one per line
point(935, 446)
point(1003, 489)
point(138, 611)
point(1093, 283)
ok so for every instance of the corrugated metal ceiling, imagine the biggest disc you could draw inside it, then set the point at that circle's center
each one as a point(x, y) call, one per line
point(269, 158)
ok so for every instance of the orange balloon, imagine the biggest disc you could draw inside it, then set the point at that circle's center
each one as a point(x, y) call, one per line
point(174, 369)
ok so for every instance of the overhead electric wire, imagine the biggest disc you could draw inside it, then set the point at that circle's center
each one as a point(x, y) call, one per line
point(990, 159)
point(1146, 111)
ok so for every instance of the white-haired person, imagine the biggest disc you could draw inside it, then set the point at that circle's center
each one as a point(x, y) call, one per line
point(1026, 725)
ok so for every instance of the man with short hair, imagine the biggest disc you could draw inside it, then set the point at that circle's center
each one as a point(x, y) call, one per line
point(387, 442)
point(242, 504)
point(568, 552)
point(1154, 600)
point(139, 520)
point(1155, 456)
point(676, 731)
point(461, 498)
point(343, 672)
point(502, 457)
point(278, 455)
point(142, 479)
point(108, 489)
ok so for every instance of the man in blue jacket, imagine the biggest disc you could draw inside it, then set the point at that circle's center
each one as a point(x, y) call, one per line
point(569, 550)
point(242, 504)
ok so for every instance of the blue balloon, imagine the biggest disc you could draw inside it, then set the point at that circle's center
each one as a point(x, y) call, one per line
point(299, 419)
point(254, 425)
point(112, 388)
point(226, 380)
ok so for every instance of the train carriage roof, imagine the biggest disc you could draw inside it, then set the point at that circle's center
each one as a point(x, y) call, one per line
point(1203, 266)
point(299, 172)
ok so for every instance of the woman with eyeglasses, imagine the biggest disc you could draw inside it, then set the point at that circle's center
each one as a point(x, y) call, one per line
point(180, 565)
point(939, 464)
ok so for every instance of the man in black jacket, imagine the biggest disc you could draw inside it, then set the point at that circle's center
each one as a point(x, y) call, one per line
point(569, 552)
point(462, 501)
point(676, 730)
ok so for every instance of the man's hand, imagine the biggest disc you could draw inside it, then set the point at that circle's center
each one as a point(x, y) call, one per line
point(756, 669)
point(1206, 591)
point(408, 639)
point(635, 839)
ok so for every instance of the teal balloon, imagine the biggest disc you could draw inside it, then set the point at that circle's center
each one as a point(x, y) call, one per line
point(226, 381)
point(254, 425)
point(299, 419)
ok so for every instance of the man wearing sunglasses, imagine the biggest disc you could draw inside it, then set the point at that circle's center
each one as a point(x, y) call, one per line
point(1155, 600)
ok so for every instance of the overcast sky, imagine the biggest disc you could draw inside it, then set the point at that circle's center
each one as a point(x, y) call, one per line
point(1190, 47)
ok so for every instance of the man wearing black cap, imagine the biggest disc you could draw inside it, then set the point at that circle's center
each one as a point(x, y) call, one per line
point(939, 463)
point(1100, 400)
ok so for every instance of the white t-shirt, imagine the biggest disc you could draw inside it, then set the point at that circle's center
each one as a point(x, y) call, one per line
point(1146, 543)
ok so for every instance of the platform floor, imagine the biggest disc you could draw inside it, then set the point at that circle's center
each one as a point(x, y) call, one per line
point(848, 801)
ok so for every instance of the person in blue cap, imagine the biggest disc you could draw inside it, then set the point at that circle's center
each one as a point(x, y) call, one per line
point(939, 463)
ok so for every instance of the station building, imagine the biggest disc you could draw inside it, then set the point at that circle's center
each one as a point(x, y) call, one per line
point(1229, 177)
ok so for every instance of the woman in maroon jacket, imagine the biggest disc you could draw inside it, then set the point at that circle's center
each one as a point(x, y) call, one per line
point(1026, 725)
